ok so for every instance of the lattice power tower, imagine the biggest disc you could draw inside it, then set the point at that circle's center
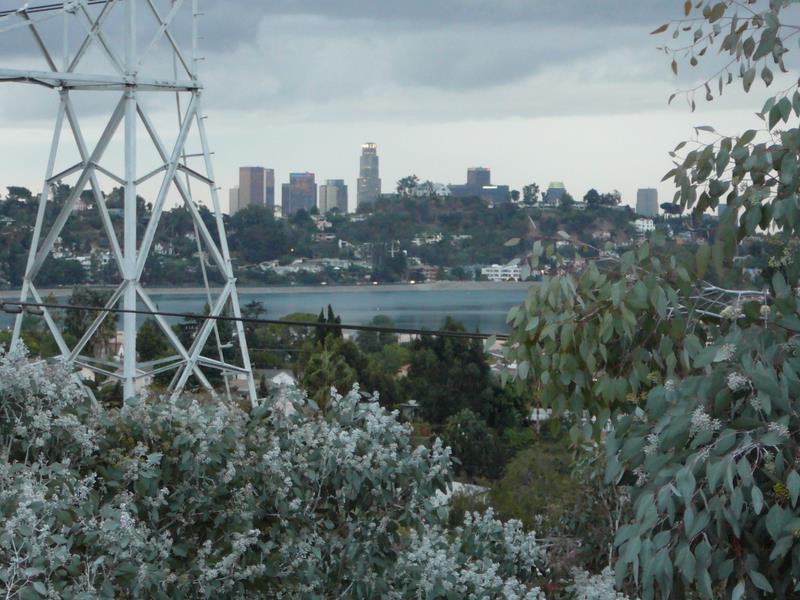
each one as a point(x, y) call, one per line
point(132, 53)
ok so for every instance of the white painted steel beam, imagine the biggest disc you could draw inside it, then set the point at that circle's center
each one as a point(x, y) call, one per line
point(60, 79)
point(125, 76)
point(40, 213)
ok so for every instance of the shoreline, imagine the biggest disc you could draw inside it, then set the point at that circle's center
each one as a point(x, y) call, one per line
point(438, 286)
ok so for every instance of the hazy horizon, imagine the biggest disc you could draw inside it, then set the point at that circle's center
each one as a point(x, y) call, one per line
point(575, 92)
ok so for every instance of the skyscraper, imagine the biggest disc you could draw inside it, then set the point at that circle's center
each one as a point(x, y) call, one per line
point(233, 201)
point(647, 202)
point(256, 187)
point(333, 195)
point(479, 177)
point(299, 194)
point(369, 181)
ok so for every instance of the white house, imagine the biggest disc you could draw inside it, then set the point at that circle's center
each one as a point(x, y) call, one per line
point(644, 226)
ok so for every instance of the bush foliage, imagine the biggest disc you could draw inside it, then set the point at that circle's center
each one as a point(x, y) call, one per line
point(187, 499)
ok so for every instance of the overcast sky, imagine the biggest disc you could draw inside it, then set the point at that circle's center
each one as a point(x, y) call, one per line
point(537, 90)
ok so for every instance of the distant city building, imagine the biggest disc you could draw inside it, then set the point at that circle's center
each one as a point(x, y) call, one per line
point(554, 194)
point(299, 194)
point(479, 177)
point(256, 187)
point(233, 201)
point(509, 272)
point(479, 185)
point(333, 195)
point(647, 202)
point(369, 180)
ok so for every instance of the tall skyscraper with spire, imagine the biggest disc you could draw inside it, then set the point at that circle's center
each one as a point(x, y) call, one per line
point(369, 181)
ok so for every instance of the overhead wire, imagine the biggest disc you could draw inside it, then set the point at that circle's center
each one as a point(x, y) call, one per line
point(45, 8)
point(14, 307)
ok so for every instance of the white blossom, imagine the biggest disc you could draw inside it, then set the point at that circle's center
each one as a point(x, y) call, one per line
point(738, 382)
point(702, 422)
point(779, 428)
point(586, 586)
point(731, 312)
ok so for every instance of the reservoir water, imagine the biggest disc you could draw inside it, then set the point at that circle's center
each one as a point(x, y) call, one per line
point(478, 307)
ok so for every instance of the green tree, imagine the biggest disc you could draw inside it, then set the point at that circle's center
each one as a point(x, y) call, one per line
point(474, 444)
point(447, 375)
point(326, 369)
point(372, 342)
point(699, 386)
point(671, 208)
point(531, 193)
point(78, 320)
point(407, 185)
point(151, 343)
point(592, 198)
point(19, 193)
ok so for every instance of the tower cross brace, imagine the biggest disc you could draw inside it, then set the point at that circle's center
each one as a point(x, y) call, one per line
point(124, 80)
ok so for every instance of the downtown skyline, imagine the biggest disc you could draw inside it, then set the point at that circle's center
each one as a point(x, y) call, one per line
point(411, 80)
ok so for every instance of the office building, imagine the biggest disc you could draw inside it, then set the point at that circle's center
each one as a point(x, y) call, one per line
point(299, 194)
point(647, 202)
point(554, 194)
point(233, 201)
point(479, 185)
point(256, 187)
point(333, 195)
point(369, 180)
point(479, 177)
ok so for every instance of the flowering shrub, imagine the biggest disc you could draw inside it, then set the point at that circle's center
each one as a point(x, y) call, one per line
point(172, 499)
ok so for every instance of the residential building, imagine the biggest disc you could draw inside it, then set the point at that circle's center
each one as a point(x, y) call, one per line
point(647, 202)
point(256, 187)
point(369, 180)
point(509, 272)
point(333, 195)
point(427, 240)
point(233, 200)
point(324, 237)
point(299, 194)
point(554, 194)
point(644, 226)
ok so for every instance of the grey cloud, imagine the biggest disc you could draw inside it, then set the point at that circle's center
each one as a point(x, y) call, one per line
point(426, 59)
point(411, 12)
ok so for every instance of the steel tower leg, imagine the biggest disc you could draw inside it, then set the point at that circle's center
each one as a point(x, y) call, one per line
point(125, 76)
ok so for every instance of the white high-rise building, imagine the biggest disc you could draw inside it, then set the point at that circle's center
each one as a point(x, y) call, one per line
point(647, 202)
point(333, 195)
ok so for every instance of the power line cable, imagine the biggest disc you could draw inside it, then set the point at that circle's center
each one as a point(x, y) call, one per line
point(37, 309)
point(45, 8)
